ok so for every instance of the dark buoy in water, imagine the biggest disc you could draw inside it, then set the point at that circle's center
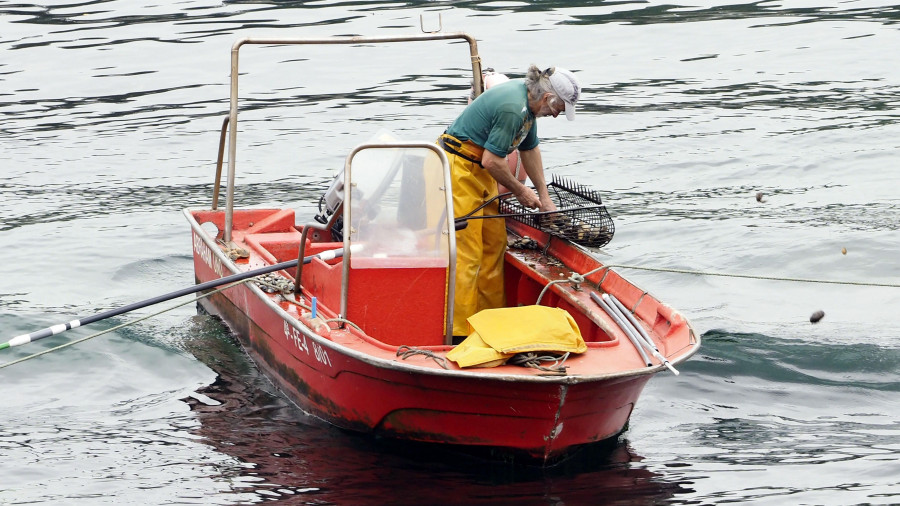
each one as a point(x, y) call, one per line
point(815, 317)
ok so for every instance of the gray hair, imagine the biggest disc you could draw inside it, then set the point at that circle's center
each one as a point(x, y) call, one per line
point(537, 82)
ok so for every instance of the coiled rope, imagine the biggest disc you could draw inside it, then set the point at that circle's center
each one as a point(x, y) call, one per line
point(534, 361)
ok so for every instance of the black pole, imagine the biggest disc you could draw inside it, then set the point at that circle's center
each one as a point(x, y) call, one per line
point(56, 329)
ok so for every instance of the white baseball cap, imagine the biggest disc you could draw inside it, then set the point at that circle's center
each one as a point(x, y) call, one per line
point(566, 87)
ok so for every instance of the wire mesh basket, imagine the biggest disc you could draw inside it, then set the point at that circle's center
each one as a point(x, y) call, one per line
point(580, 217)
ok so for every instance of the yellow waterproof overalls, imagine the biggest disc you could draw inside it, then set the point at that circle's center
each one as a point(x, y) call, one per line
point(480, 247)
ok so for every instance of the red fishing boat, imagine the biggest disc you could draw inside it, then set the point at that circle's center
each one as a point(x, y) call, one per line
point(353, 323)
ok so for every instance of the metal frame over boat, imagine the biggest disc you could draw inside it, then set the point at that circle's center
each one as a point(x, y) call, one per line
point(360, 340)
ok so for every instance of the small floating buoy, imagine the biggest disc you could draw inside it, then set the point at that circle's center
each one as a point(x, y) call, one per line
point(843, 251)
point(759, 196)
point(815, 317)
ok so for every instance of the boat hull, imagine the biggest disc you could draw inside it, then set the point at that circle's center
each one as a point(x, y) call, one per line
point(365, 386)
point(543, 420)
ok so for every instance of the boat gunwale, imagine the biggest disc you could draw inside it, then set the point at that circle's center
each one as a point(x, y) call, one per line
point(406, 367)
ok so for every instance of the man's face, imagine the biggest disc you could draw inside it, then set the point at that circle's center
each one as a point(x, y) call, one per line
point(551, 105)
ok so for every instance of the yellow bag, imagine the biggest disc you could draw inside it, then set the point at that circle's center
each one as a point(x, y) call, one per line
point(473, 352)
point(498, 334)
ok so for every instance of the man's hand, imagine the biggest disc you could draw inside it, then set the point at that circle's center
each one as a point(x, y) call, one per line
point(528, 198)
point(547, 205)
point(534, 167)
point(499, 170)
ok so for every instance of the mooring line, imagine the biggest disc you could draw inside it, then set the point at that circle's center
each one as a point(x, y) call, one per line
point(751, 276)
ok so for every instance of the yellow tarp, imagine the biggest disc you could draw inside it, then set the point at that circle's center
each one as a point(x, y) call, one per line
point(498, 334)
point(473, 352)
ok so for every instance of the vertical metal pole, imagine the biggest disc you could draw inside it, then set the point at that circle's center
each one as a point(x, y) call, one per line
point(218, 183)
point(478, 84)
point(451, 233)
point(232, 141)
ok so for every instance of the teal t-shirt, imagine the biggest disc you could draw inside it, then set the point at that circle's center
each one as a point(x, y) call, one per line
point(499, 120)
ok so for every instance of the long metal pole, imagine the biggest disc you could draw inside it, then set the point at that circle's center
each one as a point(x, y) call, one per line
point(56, 329)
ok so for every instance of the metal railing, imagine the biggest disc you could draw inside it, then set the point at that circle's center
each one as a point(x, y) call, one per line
point(231, 121)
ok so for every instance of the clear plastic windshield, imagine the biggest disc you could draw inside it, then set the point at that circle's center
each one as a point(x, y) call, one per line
point(398, 208)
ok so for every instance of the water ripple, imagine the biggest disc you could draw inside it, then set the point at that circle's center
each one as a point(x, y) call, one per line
point(667, 13)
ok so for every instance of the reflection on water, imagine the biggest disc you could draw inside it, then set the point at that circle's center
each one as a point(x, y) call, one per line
point(281, 452)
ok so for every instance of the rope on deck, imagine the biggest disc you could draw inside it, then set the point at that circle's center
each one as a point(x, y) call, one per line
point(575, 279)
point(534, 360)
point(405, 352)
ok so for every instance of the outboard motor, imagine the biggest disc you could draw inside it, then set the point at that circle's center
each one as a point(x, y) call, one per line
point(330, 203)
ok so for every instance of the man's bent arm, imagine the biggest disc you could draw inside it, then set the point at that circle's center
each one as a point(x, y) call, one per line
point(499, 170)
point(534, 167)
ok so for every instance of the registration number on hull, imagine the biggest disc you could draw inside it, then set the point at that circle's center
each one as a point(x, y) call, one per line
point(301, 343)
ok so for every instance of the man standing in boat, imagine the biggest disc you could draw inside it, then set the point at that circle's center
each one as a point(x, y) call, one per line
point(499, 121)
